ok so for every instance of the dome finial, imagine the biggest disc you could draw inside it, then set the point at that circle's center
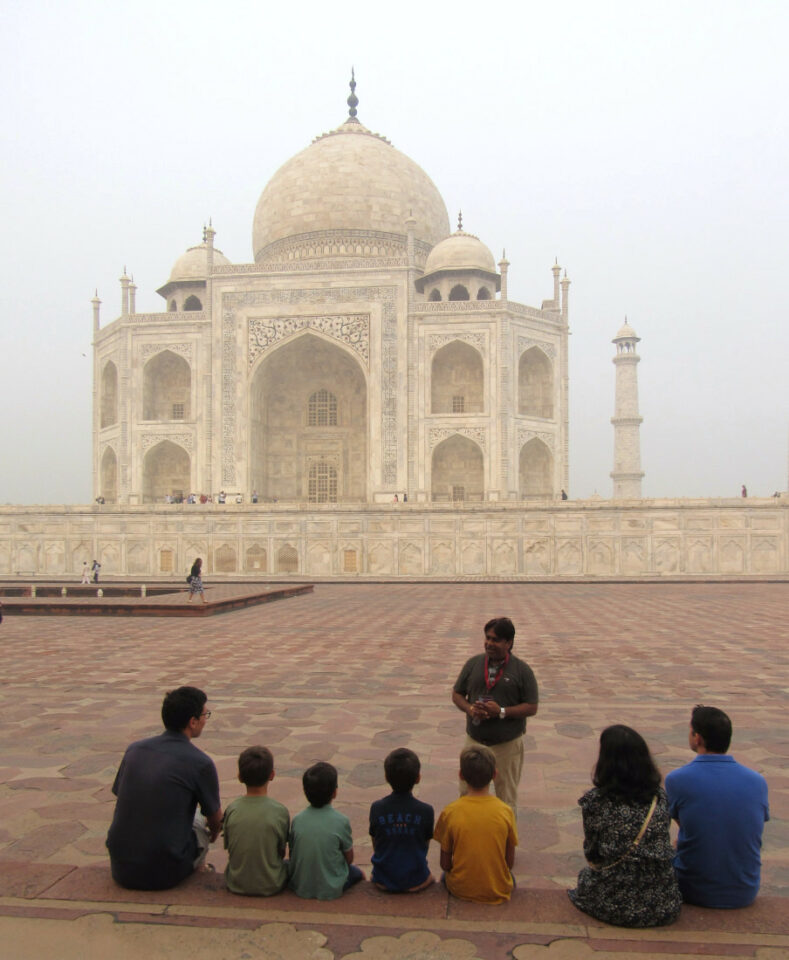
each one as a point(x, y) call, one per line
point(460, 221)
point(353, 100)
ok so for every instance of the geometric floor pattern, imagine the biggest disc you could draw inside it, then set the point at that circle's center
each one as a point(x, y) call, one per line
point(345, 674)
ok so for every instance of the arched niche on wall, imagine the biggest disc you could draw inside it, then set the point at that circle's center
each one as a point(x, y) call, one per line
point(535, 384)
point(167, 388)
point(535, 470)
point(109, 394)
point(457, 470)
point(457, 379)
point(166, 470)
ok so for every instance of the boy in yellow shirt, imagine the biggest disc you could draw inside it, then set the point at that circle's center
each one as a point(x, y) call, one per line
point(477, 834)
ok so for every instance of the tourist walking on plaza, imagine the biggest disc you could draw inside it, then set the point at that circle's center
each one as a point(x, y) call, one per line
point(497, 692)
point(85, 572)
point(721, 807)
point(629, 880)
point(196, 580)
point(95, 568)
point(157, 837)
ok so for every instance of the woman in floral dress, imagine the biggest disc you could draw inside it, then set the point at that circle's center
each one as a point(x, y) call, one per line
point(196, 580)
point(629, 880)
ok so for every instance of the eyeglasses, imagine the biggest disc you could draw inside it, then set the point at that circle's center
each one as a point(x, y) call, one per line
point(207, 714)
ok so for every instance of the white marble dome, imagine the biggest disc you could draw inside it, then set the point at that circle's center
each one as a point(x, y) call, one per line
point(193, 265)
point(626, 332)
point(461, 251)
point(355, 184)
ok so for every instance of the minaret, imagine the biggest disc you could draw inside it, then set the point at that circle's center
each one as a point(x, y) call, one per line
point(627, 473)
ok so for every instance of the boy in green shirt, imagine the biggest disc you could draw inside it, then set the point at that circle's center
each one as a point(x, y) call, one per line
point(256, 830)
point(321, 846)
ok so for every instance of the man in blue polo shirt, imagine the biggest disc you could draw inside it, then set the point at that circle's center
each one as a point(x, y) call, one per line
point(721, 808)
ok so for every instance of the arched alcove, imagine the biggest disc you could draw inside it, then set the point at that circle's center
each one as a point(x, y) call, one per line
point(109, 475)
point(459, 292)
point(457, 379)
point(308, 403)
point(109, 394)
point(172, 306)
point(458, 470)
point(435, 295)
point(483, 293)
point(535, 471)
point(192, 303)
point(535, 384)
point(166, 470)
point(167, 388)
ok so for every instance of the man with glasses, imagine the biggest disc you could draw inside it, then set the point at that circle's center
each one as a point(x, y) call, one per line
point(497, 692)
point(158, 837)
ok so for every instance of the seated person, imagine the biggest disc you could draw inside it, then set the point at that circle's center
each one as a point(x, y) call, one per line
point(629, 880)
point(401, 827)
point(157, 838)
point(721, 808)
point(477, 834)
point(321, 846)
point(256, 830)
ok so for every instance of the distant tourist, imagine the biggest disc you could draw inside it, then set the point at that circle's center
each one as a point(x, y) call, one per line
point(721, 807)
point(157, 837)
point(203, 498)
point(629, 879)
point(85, 572)
point(239, 498)
point(254, 496)
point(744, 491)
point(564, 494)
point(195, 579)
point(222, 497)
point(95, 568)
point(395, 500)
point(405, 498)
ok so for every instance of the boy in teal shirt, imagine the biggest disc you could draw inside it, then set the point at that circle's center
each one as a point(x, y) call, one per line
point(321, 846)
point(256, 830)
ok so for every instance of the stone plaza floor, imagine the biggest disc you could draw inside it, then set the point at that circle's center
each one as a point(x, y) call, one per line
point(345, 674)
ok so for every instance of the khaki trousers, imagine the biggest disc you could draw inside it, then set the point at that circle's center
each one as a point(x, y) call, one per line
point(509, 765)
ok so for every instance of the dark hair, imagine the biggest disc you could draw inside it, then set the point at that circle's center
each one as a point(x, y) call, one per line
point(713, 726)
point(625, 768)
point(320, 783)
point(402, 768)
point(503, 627)
point(180, 706)
point(255, 766)
point(477, 766)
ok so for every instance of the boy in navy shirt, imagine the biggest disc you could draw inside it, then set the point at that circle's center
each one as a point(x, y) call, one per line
point(401, 827)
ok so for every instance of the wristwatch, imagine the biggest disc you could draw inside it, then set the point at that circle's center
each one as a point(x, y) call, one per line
point(502, 714)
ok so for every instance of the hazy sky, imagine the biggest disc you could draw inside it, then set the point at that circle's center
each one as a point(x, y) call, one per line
point(643, 144)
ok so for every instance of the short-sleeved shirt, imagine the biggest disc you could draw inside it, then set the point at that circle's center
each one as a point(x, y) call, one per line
point(401, 827)
point(159, 784)
point(517, 684)
point(476, 831)
point(721, 807)
point(319, 839)
point(256, 834)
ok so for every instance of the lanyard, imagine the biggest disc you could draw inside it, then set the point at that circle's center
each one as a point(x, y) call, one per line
point(491, 684)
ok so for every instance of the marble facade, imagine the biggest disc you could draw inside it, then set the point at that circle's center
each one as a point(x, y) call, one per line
point(594, 538)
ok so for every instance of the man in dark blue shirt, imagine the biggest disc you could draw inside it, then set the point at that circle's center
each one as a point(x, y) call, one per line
point(721, 808)
point(156, 838)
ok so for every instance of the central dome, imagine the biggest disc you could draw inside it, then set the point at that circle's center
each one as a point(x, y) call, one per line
point(349, 193)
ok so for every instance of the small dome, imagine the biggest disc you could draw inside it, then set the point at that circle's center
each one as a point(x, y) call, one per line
point(350, 181)
point(626, 332)
point(461, 251)
point(193, 265)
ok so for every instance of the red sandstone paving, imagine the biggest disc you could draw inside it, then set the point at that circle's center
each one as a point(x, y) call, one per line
point(351, 671)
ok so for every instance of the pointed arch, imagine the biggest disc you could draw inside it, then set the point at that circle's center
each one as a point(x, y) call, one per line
point(192, 303)
point(166, 470)
point(483, 294)
point(308, 405)
point(109, 394)
point(435, 295)
point(459, 292)
point(457, 470)
point(167, 388)
point(457, 380)
point(535, 384)
point(535, 470)
point(109, 475)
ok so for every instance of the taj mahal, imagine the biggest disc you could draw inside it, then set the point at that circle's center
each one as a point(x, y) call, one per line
point(363, 399)
point(367, 351)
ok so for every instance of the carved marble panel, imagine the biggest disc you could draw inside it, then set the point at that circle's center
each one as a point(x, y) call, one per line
point(477, 434)
point(351, 329)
